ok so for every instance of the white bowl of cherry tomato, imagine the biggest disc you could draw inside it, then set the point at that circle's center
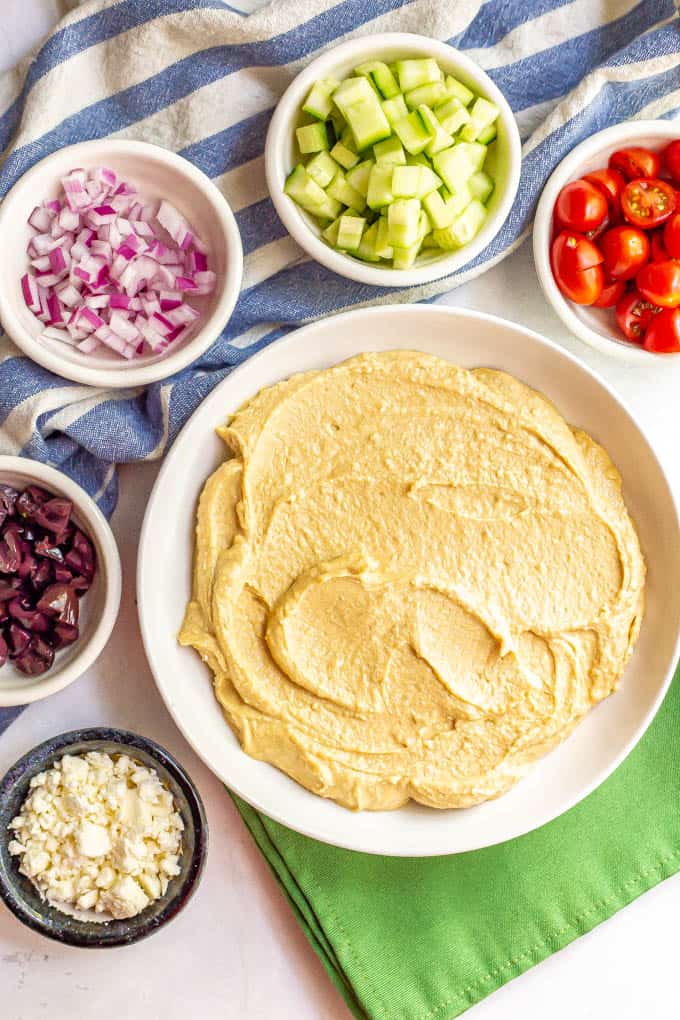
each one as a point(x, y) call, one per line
point(607, 239)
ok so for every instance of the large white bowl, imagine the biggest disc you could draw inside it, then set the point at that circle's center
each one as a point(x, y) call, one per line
point(281, 156)
point(595, 326)
point(158, 173)
point(562, 778)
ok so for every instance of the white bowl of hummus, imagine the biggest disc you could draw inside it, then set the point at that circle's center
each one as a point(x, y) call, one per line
point(415, 584)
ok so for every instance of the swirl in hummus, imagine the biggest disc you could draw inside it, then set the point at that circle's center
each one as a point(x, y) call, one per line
point(411, 580)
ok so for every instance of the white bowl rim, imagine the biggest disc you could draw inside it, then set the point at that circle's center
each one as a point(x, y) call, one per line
point(280, 125)
point(563, 172)
point(99, 528)
point(112, 378)
point(234, 782)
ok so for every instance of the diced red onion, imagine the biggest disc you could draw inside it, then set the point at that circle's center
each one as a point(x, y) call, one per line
point(40, 219)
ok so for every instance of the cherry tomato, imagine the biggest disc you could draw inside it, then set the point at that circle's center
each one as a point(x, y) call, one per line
point(611, 219)
point(580, 206)
point(633, 315)
point(635, 162)
point(611, 184)
point(647, 203)
point(625, 250)
point(660, 282)
point(610, 295)
point(671, 236)
point(670, 158)
point(576, 265)
point(663, 332)
point(659, 253)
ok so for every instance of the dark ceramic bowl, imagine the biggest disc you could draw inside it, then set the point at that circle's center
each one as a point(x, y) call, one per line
point(20, 895)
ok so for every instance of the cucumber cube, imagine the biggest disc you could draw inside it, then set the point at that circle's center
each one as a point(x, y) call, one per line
point(480, 185)
point(322, 168)
point(429, 181)
point(312, 137)
point(394, 109)
point(389, 153)
point(359, 175)
point(456, 165)
point(319, 103)
point(366, 249)
point(381, 76)
point(403, 217)
point(430, 95)
point(412, 73)
point(482, 116)
point(443, 211)
point(406, 181)
point(342, 191)
point(344, 156)
point(383, 248)
point(403, 258)
point(379, 187)
point(418, 159)
point(487, 135)
point(361, 108)
point(464, 228)
point(350, 230)
point(441, 139)
point(460, 91)
point(412, 133)
point(307, 193)
point(330, 234)
point(452, 115)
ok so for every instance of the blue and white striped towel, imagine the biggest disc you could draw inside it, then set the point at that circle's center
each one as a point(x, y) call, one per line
point(202, 79)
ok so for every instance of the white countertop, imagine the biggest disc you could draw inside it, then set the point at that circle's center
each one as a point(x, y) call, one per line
point(236, 950)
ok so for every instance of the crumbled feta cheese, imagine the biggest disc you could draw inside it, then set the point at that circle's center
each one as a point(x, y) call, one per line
point(98, 833)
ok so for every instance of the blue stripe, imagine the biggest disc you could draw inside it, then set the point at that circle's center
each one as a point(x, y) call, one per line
point(20, 379)
point(232, 147)
point(259, 225)
point(131, 433)
point(498, 18)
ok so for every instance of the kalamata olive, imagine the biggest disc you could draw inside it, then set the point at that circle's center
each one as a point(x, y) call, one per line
point(54, 515)
point(36, 659)
point(21, 610)
point(28, 561)
point(43, 573)
point(63, 634)
point(60, 600)
point(81, 556)
point(19, 640)
point(30, 501)
point(8, 588)
point(8, 498)
point(61, 573)
point(4, 651)
point(46, 548)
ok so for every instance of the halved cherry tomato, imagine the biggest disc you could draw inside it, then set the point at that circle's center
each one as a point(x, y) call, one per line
point(580, 206)
point(660, 282)
point(612, 219)
point(625, 250)
point(647, 203)
point(611, 184)
point(576, 266)
point(659, 253)
point(671, 236)
point(635, 162)
point(610, 295)
point(663, 332)
point(670, 159)
point(633, 315)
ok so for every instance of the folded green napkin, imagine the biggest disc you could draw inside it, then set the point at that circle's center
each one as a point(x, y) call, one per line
point(409, 939)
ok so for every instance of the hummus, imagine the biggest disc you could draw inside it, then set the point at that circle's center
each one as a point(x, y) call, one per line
point(411, 580)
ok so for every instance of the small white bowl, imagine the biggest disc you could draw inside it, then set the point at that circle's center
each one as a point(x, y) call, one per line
point(157, 173)
point(98, 607)
point(281, 156)
point(596, 326)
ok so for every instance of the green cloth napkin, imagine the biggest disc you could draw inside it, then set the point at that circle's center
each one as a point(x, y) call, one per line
point(424, 939)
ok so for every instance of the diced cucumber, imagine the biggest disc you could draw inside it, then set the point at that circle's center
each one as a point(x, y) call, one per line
point(342, 191)
point(381, 76)
point(406, 181)
point(344, 156)
point(460, 91)
point(337, 121)
point(403, 217)
point(350, 230)
point(441, 139)
point(379, 187)
point(457, 164)
point(319, 103)
point(389, 153)
point(359, 175)
point(412, 133)
point(307, 193)
point(312, 137)
point(482, 116)
point(322, 168)
point(464, 228)
point(488, 134)
point(480, 185)
point(366, 249)
point(418, 159)
point(452, 115)
point(429, 242)
point(443, 212)
point(361, 108)
point(412, 73)
point(430, 95)
point(403, 258)
point(394, 109)
point(383, 248)
point(330, 234)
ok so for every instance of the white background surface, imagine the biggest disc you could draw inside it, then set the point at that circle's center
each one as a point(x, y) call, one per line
point(236, 951)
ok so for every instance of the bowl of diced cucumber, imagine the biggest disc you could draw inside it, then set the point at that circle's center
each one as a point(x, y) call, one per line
point(393, 159)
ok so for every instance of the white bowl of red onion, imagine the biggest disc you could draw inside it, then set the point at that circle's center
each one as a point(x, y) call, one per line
point(121, 263)
point(60, 581)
